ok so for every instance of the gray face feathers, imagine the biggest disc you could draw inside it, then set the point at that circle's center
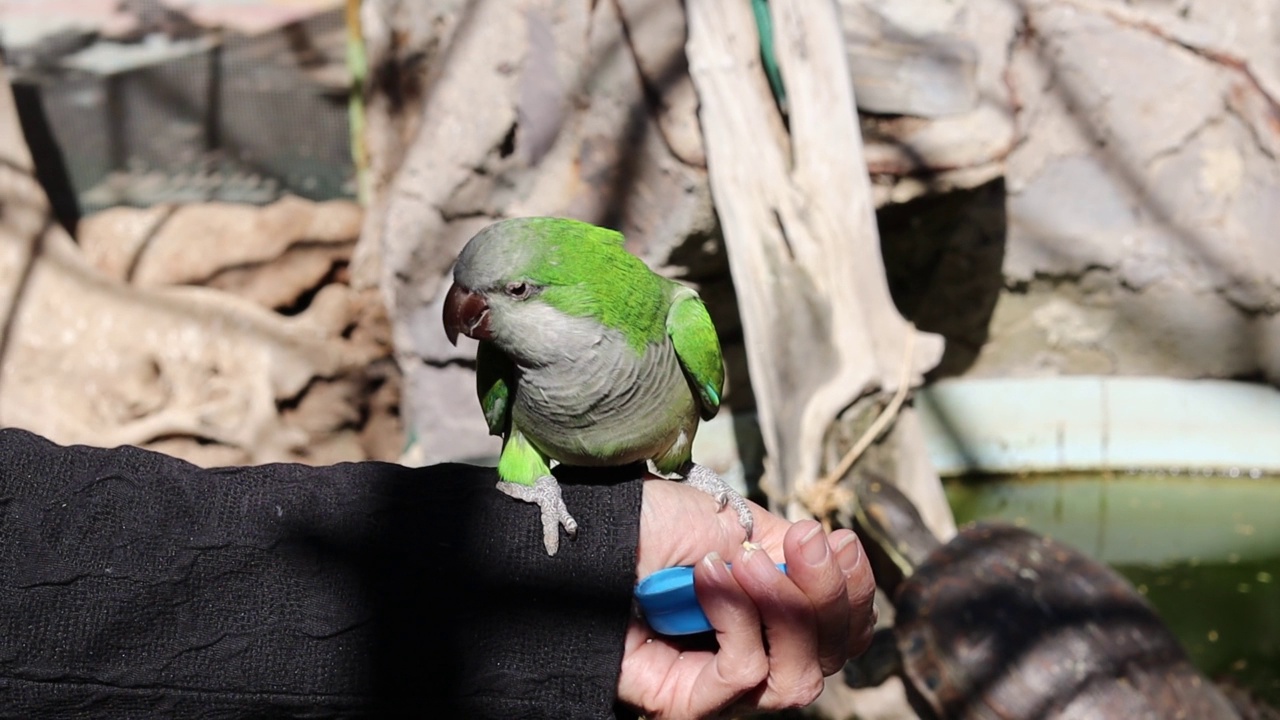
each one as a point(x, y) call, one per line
point(501, 253)
point(495, 297)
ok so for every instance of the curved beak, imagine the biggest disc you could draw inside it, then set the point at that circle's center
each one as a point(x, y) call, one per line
point(466, 313)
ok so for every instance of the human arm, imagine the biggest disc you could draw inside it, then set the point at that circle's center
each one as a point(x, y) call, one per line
point(136, 584)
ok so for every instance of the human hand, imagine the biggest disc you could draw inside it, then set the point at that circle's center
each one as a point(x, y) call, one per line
point(776, 635)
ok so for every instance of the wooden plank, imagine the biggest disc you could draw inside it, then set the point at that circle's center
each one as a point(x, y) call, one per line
point(821, 328)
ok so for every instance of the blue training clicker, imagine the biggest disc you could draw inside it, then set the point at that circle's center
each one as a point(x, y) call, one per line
point(669, 604)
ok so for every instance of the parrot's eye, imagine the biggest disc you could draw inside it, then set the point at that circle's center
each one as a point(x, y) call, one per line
point(519, 290)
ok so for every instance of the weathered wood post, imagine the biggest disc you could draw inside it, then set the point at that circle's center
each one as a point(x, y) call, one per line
point(795, 206)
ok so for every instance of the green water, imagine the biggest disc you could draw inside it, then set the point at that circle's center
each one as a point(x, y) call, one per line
point(1205, 550)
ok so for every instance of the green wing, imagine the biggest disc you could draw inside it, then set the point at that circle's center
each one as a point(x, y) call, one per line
point(520, 462)
point(698, 348)
point(495, 379)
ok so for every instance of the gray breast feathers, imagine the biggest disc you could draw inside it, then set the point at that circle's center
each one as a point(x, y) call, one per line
point(602, 402)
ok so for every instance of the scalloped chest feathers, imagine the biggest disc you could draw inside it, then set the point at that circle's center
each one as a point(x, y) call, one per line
point(599, 402)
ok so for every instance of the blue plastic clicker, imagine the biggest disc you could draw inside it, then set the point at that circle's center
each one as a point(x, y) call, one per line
point(669, 604)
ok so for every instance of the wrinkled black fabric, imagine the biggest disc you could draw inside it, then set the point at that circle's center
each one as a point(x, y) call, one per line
point(136, 585)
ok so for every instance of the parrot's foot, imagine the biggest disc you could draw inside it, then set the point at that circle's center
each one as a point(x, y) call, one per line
point(705, 479)
point(545, 493)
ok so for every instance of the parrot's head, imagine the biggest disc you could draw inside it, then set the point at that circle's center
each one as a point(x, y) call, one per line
point(522, 282)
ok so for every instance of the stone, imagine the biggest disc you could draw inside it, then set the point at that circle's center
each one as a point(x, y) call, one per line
point(1070, 215)
point(910, 63)
point(273, 255)
point(1143, 157)
point(89, 357)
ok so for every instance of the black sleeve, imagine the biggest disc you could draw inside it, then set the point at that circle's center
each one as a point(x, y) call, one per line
point(136, 585)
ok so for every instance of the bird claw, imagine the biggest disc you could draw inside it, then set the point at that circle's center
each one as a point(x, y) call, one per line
point(705, 479)
point(545, 493)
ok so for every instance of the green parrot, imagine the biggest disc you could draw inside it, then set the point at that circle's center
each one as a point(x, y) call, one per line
point(586, 357)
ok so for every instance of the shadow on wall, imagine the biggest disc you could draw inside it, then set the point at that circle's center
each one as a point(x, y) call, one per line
point(943, 256)
point(46, 154)
point(1118, 256)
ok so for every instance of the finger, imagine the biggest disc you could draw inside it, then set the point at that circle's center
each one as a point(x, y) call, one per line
point(741, 663)
point(790, 628)
point(860, 588)
point(811, 565)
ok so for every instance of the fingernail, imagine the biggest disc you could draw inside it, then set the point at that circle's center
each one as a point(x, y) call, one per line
point(813, 546)
point(849, 554)
point(759, 564)
point(714, 565)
